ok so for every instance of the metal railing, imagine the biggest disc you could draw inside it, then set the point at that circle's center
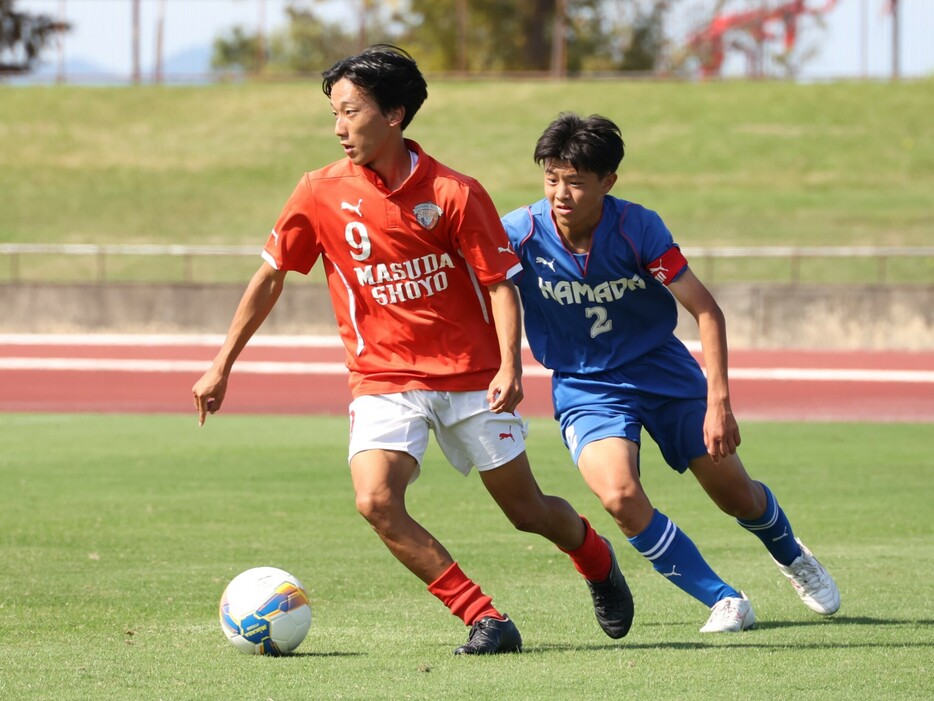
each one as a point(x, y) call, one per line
point(704, 259)
point(797, 254)
point(103, 252)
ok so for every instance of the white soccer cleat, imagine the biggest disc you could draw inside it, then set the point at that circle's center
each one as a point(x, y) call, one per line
point(813, 582)
point(730, 615)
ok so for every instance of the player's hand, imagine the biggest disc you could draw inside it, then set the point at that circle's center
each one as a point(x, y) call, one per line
point(208, 394)
point(721, 432)
point(505, 392)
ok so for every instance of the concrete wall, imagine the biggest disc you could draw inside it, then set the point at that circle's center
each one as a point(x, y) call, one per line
point(871, 317)
point(758, 316)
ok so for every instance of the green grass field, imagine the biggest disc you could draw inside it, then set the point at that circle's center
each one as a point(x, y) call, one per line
point(731, 163)
point(119, 533)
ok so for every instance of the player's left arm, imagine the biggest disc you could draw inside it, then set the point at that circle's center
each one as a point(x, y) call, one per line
point(721, 432)
point(505, 390)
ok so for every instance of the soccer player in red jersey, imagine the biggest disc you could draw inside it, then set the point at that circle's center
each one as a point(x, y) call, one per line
point(418, 267)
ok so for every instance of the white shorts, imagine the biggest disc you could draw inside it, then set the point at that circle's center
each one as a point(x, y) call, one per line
point(469, 434)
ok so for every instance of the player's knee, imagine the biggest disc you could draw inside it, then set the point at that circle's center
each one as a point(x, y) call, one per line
point(622, 500)
point(748, 504)
point(377, 509)
point(745, 501)
point(526, 521)
point(530, 516)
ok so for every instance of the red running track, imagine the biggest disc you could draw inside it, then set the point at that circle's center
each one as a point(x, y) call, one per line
point(292, 375)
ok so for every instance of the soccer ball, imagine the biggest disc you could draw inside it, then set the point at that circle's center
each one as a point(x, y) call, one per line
point(265, 611)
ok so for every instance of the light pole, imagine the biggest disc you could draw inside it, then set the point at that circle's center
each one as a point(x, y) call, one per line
point(896, 67)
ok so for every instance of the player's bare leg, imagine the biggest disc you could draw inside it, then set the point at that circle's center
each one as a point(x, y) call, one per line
point(757, 510)
point(729, 486)
point(515, 490)
point(610, 469)
point(380, 479)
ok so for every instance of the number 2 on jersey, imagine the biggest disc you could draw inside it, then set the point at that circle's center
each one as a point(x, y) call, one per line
point(601, 323)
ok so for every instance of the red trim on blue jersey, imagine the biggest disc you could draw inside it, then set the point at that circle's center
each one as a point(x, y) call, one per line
point(668, 266)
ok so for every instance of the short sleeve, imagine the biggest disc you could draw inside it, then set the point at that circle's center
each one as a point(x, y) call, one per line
point(293, 243)
point(482, 239)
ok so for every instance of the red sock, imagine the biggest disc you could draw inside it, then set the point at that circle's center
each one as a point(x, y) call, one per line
point(462, 596)
point(592, 558)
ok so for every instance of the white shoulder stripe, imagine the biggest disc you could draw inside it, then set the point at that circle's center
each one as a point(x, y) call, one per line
point(267, 256)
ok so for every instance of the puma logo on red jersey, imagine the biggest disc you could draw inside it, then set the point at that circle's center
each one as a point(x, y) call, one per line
point(659, 272)
point(353, 208)
point(667, 266)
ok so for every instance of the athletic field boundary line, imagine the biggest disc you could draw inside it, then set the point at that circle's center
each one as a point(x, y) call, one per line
point(258, 367)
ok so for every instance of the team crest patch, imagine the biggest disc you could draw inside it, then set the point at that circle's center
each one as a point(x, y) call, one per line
point(428, 214)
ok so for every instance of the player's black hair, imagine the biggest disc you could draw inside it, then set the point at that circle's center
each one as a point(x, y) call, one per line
point(386, 73)
point(593, 144)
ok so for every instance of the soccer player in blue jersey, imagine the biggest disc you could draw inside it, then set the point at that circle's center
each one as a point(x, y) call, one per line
point(600, 284)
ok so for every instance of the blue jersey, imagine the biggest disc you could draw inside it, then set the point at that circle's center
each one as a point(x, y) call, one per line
point(608, 309)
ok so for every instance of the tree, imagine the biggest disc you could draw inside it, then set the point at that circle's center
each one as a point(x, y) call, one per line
point(647, 44)
point(496, 32)
point(237, 51)
point(307, 44)
point(595, 36)
point(463, 36)
point(23, 36)
point(311, 45)
point(503, 36)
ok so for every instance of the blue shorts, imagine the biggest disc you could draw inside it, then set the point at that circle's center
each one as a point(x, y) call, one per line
point(605, 405)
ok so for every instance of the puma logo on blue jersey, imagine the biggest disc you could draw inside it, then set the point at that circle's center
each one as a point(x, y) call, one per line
point(546, 263)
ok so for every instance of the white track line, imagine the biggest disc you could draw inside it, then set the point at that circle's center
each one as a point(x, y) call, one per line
point(303, 368)
point(252, 367)
point(847, 375)
point(298, 368)
point(122, 339)
point(210, 340)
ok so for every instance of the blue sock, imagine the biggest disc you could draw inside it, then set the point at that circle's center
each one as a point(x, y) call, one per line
point(675, 557)
point(774, 530)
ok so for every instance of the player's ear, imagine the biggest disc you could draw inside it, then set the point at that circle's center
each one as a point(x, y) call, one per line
point(608, 182)
point(396, 115)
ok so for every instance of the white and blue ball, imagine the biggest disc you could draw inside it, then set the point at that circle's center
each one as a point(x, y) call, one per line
point(265, 611)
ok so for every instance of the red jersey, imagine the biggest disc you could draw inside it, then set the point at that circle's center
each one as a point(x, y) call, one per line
point(407, 271)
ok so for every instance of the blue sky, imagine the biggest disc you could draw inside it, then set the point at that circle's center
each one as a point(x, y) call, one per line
point(857, 41)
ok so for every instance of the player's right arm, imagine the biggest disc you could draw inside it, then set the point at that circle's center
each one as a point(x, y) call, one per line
point(257, 301)
point(721, 432)
point(505, 391)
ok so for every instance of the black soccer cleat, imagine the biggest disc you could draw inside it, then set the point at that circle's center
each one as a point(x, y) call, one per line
point(490, 636)
point(612, 600)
